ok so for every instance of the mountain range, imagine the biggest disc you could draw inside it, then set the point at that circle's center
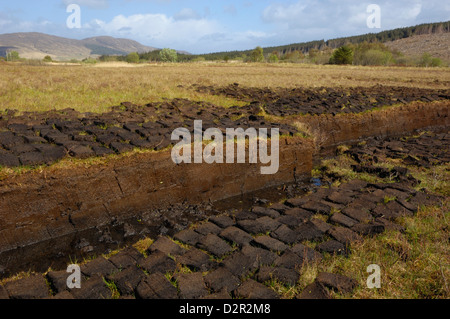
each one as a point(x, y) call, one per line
point(34, 45)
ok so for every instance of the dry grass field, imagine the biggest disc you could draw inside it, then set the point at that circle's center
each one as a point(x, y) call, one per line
point(98, 87)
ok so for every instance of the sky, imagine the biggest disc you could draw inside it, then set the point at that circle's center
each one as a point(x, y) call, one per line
point(203, 26)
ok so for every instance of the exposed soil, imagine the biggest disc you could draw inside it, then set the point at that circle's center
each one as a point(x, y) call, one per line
point(33, 139)
point(425, 150)
point(233, 248)
point(58, 205)
point(240, 242)
point(330, 131)
point(88, 243)
point(235, 253)
point(286, 102)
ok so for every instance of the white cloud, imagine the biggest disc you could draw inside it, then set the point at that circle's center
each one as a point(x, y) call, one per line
point(95, 4)
point(304, 20)
point(12, 24)
point(5, 22)
point(406, 14)
point(158, 30)
point(186, 14)
point(191, 32)
point(336, 18)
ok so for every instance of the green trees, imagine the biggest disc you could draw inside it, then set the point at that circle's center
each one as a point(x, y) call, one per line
point(47, 58)
point(319, 57)
point(294, 56)
point(436, 62)
point(257, 55)
point(133, 57)
point(365, 53)
point(12, 56)
point(273, 57)
point(89, 61)
point(343, 55)
point(375, 53)
point(428, 61)
point(168, 55)
point(376, 57)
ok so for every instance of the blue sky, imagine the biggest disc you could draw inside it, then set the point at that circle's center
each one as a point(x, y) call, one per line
point(216, 25)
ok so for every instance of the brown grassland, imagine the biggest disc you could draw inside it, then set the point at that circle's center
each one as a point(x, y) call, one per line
point(96, 88)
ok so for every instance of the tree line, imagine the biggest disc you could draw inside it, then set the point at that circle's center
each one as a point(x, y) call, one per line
point(367, 49)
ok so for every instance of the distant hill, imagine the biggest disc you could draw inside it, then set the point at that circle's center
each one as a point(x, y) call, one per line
point(438, 45)
point(386, 37)
point(383, 37)
point(103, 45)
point(34, 45)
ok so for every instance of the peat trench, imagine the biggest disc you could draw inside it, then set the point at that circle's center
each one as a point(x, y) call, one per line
point(237, 252)
point(236, 235)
